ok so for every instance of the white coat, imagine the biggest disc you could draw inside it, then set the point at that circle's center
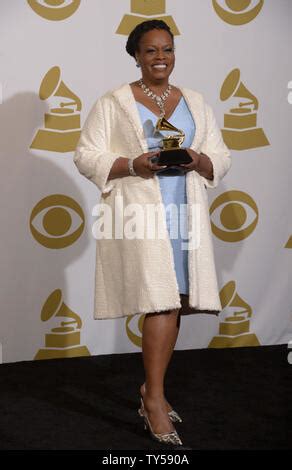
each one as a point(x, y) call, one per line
point(135, 276)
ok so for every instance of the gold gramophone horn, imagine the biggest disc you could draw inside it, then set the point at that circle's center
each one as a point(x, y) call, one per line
point(233, 87)
point(170, 141)
point(52, 85)
point(54, 307)
point(164, 125)
point(228, 296)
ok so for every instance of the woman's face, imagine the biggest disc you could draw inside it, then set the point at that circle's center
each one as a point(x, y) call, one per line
point(156, 55)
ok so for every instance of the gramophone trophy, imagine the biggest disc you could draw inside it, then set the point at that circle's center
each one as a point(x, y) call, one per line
point(172, 154)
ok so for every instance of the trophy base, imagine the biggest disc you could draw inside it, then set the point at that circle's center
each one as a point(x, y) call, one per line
point(172, 157)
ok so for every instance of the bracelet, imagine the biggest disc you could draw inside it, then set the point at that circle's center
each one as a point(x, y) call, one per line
point(131, 168)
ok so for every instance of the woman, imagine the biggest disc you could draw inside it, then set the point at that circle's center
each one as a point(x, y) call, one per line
point(153, 275)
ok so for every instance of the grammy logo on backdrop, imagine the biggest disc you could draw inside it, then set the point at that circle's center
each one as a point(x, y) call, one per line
point(62, 123)
point(142, 10)
point(64, 340)
point(240, 123)
point(234, 330)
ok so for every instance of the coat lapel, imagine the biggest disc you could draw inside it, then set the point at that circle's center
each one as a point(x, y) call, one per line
point(194, 100)
point(125, 97)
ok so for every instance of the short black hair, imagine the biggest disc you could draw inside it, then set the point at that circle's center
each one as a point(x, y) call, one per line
point(133, 41)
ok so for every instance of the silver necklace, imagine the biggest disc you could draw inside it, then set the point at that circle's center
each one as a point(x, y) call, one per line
point(158, 99)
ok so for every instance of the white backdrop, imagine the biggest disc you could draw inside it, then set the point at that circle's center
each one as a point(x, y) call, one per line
point(48, 251)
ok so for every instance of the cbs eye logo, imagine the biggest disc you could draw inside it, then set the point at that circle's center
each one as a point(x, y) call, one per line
point(55, 216)
point(238, 11)
point(54, 10)
point(238, 207)
point(135, 336)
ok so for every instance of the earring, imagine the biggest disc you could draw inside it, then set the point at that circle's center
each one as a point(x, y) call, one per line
point(138, 65)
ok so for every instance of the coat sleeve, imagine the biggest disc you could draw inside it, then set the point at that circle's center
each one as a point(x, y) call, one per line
point(93, 157)
point(215, 148)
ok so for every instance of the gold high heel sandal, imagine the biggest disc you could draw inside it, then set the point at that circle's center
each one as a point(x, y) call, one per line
point(166, 438)
point(174, 416)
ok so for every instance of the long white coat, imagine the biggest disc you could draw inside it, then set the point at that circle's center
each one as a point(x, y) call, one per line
point(137, 275)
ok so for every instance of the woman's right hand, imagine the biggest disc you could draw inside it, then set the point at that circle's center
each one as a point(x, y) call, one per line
point(143, 165)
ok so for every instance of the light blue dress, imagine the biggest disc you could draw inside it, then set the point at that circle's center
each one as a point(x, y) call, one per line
point(173, 185)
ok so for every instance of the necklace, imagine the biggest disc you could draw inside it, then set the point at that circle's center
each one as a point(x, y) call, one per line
point(158, 99)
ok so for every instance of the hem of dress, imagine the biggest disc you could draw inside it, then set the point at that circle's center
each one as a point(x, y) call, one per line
point(162, 309)
point(141, 312)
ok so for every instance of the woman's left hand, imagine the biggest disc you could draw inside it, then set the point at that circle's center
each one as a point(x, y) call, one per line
point(194, 164)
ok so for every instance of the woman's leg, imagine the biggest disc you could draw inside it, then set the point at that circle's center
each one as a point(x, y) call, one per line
point(142, 387)
point(160, 331)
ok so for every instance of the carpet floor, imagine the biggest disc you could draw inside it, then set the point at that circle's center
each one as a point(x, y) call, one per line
point(233, 398)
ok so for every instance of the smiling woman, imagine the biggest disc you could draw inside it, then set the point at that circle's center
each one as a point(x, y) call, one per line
point(153, 50)
point(159, 276)
point(155, 55)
